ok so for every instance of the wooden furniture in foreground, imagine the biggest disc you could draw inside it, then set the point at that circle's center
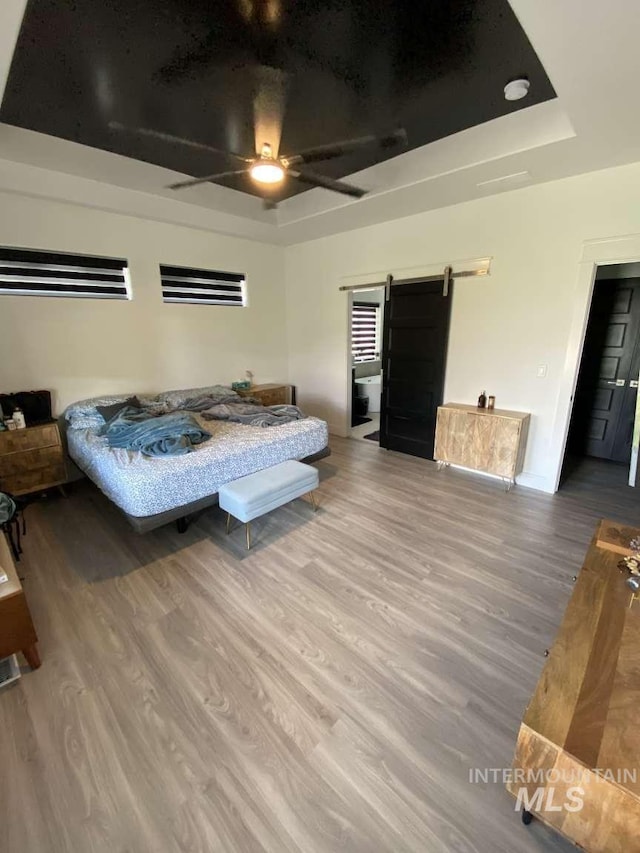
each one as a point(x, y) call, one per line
point(270, 394)
point(583, 720)
point(17, 633)
point(489, 440)
point(31, 459)
point(615, 537)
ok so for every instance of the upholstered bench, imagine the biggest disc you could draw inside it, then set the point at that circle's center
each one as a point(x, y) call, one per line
point(259, 493)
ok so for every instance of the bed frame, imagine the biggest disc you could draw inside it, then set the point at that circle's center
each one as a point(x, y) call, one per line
point(180, 514)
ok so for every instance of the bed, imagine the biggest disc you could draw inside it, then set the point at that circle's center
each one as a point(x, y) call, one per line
point(155, 491)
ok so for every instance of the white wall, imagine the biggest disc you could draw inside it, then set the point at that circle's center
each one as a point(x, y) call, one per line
point(82, 347)
point(503, 326)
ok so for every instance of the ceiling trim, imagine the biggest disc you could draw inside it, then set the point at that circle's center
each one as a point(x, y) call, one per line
point(590, 56)
point(522, 131)
point(35, 182)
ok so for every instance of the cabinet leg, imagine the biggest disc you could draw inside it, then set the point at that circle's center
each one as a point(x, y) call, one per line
point(527, 817)
point(32, 656)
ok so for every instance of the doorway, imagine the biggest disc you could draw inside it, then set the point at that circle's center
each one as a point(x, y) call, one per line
point(599, 445)
point(366, 308)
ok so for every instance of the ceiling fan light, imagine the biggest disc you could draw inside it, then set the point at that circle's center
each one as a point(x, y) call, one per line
point(267, 172)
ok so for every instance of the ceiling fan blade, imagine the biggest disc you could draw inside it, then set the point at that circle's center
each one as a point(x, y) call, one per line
point(268, 107)
point(192, 182)
point(316, 180)
point(339, 149)
point(169, 137)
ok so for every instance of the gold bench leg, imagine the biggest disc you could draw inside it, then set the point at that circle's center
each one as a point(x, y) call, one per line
point(247, 528)
point(313, 501)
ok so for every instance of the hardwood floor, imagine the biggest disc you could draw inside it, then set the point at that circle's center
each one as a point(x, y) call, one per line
point(329, 690)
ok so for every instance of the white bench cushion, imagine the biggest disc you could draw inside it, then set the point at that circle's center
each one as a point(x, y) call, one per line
point(259, 493)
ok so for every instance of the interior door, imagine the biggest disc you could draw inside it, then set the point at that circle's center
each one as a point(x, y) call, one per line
point(624, 430)
point(414, 353)
point(611, 362)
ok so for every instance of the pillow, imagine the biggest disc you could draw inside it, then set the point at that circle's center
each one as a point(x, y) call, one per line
point(85, 415)
point(88, 406)
point(86, 422)
point(176, 399)
point(110, 411)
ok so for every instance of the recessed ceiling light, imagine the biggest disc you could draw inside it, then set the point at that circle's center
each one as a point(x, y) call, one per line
point(517, 89)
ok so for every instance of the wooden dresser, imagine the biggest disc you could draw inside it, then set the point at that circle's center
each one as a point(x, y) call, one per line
point(17, 633)
point(489, 440)
point(270, 394)
point(585, 714)
point(31, 459)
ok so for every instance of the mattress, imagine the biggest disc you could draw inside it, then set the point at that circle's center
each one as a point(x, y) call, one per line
point(143, 486)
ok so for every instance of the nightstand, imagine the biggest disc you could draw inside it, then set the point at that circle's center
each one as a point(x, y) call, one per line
point(31, 459)
point(271, 394)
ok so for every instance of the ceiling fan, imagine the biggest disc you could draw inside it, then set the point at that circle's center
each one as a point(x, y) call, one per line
point(269, 170)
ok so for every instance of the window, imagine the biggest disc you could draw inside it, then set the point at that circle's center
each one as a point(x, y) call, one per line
point(365, 331)
point(24, 272)
point(204, 287)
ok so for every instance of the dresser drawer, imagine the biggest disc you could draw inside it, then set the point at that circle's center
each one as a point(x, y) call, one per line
point(14, 441)
point(269, 394)
point(25, 481)
point(275, 397)
point(30, 460)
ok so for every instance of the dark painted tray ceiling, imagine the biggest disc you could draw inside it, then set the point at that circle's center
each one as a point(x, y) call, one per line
point(191, 68)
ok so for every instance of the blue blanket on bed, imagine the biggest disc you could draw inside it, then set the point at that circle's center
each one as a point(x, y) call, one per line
point(165, 435)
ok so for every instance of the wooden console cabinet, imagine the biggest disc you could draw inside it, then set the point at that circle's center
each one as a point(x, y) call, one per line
point(31, 459)
point(17, 633)
point(583, 720)
point(489, 440)
point(270, 394)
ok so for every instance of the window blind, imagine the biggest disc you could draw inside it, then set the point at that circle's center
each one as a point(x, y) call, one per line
point(365, 320)
point(203, 287)
point(25, 272)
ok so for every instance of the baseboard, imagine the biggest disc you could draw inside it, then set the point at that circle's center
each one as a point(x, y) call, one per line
point(536, 481)
point(338, 429)
point(530, 481)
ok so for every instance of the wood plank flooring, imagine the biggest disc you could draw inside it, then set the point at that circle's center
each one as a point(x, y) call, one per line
point(328, 691)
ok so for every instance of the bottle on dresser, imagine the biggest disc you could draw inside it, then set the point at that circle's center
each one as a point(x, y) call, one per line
point(18, 417)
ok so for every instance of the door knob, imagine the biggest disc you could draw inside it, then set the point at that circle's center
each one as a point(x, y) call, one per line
point(618, 382)
point(633, 383)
